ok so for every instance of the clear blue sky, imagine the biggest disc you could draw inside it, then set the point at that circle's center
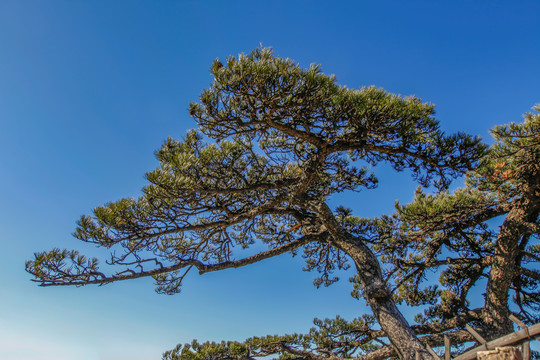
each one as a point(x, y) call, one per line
point(90, 89)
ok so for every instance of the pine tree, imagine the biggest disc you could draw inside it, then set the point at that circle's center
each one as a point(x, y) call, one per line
point(274, 142)
point(485, 231)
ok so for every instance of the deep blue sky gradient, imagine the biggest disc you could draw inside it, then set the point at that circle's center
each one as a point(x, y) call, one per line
point(89, 90)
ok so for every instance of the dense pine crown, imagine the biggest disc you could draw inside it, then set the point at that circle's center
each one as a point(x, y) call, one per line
point(286, 137)
point(274, 141)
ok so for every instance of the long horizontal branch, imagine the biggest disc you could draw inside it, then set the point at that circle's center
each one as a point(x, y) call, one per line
point(344, 145)
point(457, 321)
point(279, 184)
point(260, 256)
point(203, 268)
point(447, 261)
point(263, 209)
point(309, 137)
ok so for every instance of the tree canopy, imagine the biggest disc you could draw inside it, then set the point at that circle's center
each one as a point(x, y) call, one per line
point(274, 142)
point(456, 234)
point(485, 231)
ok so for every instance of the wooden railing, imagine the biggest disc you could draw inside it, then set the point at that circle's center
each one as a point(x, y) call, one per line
point(523, 336)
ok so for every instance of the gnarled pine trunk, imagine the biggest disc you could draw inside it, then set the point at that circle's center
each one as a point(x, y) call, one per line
point(504, 269)
point(376, 292)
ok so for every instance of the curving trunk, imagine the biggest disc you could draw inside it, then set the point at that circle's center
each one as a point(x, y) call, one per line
point(504, 269)
point(376, 293)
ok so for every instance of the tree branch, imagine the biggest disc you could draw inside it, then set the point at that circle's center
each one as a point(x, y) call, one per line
point(203, 268)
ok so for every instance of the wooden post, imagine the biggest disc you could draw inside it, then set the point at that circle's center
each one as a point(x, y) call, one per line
point(526, 351)
point(432, 352)
point(525, 348)
point(477, 336)
point(447, 347)
point(512, 339)
point(517, 321)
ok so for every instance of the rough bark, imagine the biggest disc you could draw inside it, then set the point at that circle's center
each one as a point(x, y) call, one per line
point(504, 268)
point(376, 293)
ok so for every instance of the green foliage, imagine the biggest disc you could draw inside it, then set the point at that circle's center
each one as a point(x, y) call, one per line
point(274, 142)
point(292, 112)
point(58, 264)
point(286, 138)
point(329, 337)
point(454, 233)
point(512, 164)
